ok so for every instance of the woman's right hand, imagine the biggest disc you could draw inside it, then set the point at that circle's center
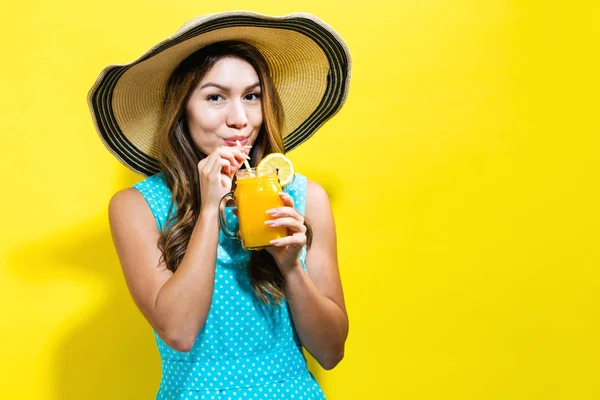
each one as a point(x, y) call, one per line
point(216, 172)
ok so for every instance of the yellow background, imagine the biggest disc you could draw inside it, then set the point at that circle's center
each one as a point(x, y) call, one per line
point(463, 172)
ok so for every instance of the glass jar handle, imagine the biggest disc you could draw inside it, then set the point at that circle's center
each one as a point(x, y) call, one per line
point(231, 234)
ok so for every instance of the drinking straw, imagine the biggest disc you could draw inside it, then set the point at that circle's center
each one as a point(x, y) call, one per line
point(245, 161)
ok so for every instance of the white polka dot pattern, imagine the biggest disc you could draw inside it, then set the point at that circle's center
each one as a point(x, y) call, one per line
point(246, 349)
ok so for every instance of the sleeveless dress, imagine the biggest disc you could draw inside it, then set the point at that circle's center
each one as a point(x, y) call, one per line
point(246, 349)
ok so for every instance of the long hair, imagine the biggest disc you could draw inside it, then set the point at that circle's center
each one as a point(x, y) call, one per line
point(179, 158)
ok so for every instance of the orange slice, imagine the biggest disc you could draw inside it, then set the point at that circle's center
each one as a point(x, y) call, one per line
point(284, 166)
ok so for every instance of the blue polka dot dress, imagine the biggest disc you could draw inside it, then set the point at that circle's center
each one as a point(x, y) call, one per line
point(246, 349)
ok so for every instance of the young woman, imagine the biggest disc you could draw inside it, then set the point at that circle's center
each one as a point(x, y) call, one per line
point(229, 322)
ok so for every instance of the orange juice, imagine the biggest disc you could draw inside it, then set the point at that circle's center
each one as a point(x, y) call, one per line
point(256, 193)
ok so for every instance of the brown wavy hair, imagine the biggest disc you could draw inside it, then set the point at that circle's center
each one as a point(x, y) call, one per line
point(179, 158)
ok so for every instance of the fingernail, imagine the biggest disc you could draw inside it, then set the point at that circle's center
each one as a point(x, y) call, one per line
point(275, 242)
point(272, 211)
point(269, 222)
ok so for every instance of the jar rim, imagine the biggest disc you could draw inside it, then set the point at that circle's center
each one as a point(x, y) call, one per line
point(265, 172)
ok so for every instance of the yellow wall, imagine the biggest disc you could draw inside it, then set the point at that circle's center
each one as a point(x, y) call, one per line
point(463, 173)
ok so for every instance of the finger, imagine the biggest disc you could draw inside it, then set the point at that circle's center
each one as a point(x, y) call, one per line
point(239, 162)
point(205, 165)
point(226, 154)
point(245, 148)
point(290, 223)
point(237, 156)
point(285, 212)
point(236, 151)
point(240, 155)
point(222, 166)
point(218, 166)
point(202, 163)
point(234, 156)
point(296, 240)
point(287, 199)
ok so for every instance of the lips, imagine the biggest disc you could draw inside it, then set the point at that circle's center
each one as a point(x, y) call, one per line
point(232, 140)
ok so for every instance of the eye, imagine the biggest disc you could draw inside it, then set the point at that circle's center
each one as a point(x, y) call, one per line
point(252, 96)
point(214, 98)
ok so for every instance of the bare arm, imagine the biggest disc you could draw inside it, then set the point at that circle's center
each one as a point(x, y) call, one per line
point(315, 297)
point(175, 304)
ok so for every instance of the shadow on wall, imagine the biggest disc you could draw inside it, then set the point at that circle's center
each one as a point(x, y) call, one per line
point(110, 353)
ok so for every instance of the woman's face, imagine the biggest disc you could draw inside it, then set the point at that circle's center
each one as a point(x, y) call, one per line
point(225, 107)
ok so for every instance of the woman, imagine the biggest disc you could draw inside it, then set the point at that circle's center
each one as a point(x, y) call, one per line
point(229, 323)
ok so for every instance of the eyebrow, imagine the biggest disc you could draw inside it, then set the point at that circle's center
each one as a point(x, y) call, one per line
point(226, 89)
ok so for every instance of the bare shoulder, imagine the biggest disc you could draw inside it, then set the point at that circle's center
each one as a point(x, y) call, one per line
point(135, 236)
point(125, 203)
point(133, 226)
point(320, 215)
point(317, 200)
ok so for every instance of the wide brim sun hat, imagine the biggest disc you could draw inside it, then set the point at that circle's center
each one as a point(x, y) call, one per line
point(310, 66)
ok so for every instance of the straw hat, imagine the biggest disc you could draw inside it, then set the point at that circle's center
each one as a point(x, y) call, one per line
point(310, 66)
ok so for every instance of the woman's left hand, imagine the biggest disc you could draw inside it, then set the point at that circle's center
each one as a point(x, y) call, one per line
point(285, 251)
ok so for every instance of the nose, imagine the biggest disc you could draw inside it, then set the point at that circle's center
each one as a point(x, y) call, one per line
point(236, 115)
